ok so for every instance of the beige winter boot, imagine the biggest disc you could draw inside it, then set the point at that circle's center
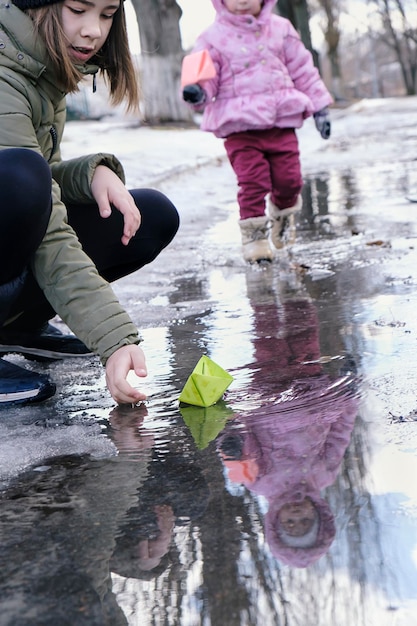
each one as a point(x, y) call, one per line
point(255, 244)
point(282, 222)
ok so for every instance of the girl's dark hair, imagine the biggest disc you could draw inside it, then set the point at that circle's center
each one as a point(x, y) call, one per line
point(114, 58)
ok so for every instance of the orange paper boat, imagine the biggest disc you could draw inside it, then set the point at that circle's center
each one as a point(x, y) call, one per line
point(197, 67)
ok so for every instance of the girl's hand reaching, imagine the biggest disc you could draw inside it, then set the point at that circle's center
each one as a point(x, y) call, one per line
point(118, 366)
point(107, 190)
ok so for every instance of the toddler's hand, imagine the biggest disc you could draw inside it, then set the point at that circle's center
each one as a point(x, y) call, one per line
point(193, 94)
point(322, 121)
point(118, 366)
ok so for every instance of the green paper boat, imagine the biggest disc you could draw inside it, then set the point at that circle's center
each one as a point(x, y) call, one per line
point(206, 385)
point(205, 423)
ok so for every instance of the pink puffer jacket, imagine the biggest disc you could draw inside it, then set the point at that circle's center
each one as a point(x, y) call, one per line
point(265, 76)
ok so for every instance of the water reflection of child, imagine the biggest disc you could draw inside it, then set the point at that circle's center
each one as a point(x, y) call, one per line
point(291, 446)
point(174, 492)
point(151, 550)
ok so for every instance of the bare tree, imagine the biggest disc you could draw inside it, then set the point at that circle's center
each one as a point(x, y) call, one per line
point(400, 35)
point(331, 30)
point(161, 58)
point(297, 12)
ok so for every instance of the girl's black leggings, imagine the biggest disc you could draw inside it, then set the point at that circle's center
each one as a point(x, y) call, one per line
point(25, 207)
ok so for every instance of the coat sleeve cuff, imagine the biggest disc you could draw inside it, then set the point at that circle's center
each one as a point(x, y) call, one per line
point(110, 161)
point(128, 341)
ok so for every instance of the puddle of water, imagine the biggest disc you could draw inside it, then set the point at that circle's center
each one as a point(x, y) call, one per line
point(289, 501)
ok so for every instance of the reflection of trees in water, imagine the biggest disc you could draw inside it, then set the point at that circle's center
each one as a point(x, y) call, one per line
point(333, 591)
point(359, 550)
point(221, 572)
point(219, 569)
point(327, 203)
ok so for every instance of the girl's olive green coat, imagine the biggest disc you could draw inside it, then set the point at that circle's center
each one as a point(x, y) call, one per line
point(32, 115)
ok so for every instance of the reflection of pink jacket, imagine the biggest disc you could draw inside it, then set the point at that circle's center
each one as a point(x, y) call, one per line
point(265, 75)
point(292, 443)
point(293, 449)
point(301, 440)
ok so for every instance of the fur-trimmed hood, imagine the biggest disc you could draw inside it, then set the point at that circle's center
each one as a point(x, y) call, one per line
point(300, 557)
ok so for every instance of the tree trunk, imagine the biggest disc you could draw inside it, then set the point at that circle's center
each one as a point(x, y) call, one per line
point(332, 37)
point(402, 41)
point(161, 58)
point(297, 12)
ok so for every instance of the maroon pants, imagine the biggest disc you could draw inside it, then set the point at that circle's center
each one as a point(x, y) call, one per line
point(265, 161)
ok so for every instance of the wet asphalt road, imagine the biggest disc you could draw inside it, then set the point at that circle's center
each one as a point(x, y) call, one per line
point(170, 515)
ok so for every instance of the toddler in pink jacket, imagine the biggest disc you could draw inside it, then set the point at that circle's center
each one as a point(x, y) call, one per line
point(265, 86)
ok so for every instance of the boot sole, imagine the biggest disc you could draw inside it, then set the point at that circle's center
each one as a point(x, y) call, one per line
point(30, 396)
point(25, 397)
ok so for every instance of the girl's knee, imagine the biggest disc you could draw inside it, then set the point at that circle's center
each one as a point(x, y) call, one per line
point(24, 164)
point(25, 180)
point(158, 212)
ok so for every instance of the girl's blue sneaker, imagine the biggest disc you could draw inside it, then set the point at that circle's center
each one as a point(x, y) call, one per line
point(20, 386)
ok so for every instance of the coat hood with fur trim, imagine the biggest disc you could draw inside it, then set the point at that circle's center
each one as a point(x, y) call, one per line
point(300, 557)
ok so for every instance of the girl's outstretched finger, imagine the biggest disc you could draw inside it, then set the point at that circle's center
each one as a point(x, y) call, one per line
point(126, 394)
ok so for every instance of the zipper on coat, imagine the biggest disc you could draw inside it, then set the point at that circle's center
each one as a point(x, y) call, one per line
point(54, 136)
